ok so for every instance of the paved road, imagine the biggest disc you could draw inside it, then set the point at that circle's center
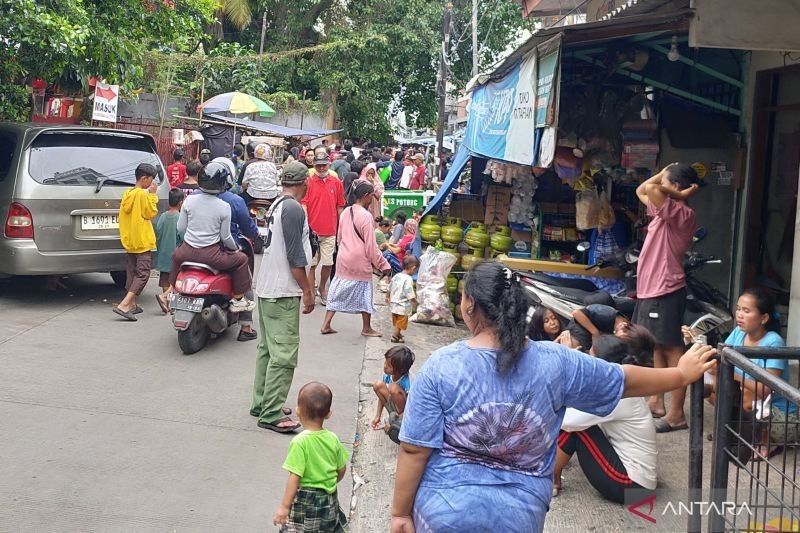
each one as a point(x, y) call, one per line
point(106, 426)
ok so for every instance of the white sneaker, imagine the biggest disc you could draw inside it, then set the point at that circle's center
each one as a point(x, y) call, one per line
point(242, 306)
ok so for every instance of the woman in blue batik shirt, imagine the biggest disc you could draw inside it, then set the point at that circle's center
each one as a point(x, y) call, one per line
point(479, 431)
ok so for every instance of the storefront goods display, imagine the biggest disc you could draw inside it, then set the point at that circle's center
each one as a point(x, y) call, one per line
point(452, 284)
point(430, 230)
point(433, 301)
point(501, 241)
point(520, 211)
point(451, 231)
point(502, 172)
point(450, 249)
point(473, 258)
point(477, 237)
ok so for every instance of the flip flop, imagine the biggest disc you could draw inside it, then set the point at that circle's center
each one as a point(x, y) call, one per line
point(127, 315)
point(162, 304)
point(397, 340)
point(137, 310)
point(280, 429)
point(284, 410)
point(662, 426)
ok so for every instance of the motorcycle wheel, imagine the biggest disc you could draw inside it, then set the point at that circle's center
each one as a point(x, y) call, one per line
point(195, 337)
point(258, 245)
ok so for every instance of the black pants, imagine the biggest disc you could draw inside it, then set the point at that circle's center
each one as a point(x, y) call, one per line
point(599, 462)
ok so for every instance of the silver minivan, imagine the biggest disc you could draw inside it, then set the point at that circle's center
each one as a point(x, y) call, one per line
point(60, 189)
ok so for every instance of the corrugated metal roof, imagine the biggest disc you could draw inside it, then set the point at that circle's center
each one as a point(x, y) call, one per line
point(604, 30)
point(642, 7)
point(276, 129)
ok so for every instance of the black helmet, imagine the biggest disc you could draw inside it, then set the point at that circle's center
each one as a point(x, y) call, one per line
point(251, 149)
point(213, 179)
point(178, 154)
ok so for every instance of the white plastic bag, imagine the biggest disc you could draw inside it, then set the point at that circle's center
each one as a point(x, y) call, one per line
point(433, 302)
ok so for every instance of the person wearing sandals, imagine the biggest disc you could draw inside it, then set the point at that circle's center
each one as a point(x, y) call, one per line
point(281, 284)
point(316, 462)
point(137, 209)
point(479, 432)
point(351, 289)
point(758, 325)
point(402, 298)
point(167, 239)
point(392, 390)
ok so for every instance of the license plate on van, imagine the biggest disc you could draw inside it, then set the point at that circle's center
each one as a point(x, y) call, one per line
point(185, 303)
point(99, 222)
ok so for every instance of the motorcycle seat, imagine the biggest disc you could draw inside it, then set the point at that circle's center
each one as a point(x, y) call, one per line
point(192, 264)
point(572, 283)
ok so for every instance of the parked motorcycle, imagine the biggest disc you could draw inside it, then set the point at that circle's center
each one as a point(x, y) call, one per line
point(201, 302)
point(706, 308)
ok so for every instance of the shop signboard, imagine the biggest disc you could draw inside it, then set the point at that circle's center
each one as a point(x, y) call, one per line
point(408, 202)
point(106, 98)
point(504, 114)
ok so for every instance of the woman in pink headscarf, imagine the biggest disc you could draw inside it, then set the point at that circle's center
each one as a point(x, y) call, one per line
point(370, 175)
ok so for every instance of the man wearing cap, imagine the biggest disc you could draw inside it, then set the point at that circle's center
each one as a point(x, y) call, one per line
point(283, 289)
point(323, 202)
point(418, 177)
point(261, 176)
point(205, 156)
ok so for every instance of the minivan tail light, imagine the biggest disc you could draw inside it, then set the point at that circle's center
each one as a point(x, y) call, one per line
point(19, 222)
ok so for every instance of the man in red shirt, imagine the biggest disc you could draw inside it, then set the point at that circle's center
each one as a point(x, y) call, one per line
point(418, 178)
point(176, 172)
point(323, 202)
point(661, 284)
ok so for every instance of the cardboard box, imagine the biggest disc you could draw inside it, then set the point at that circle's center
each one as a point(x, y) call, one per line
point(467, 208)
point(524, 236)
point(498, 200)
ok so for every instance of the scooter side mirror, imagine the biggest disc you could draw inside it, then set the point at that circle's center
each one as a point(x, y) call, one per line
point(584, 246)
point(700, 234)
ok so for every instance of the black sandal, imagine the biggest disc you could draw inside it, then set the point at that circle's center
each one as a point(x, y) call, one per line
point(280, 429)
point(245, 336)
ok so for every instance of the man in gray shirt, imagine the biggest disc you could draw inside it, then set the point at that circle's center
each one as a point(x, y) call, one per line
point(281, 284)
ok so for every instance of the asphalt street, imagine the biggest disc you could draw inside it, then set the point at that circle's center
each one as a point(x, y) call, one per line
point(106, 426)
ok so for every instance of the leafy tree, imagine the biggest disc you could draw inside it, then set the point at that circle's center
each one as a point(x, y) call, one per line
point(65, 42)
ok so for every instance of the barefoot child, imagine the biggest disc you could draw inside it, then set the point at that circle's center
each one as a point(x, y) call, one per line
point(316, 462)
point(402, 297)
point(392, 390)
point(167, 239)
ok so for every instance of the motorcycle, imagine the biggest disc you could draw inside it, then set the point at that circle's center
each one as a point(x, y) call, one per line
point(201, 301)
point(706, 308)
point(258, 209)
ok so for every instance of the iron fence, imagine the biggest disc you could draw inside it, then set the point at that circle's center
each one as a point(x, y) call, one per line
point(757, 431)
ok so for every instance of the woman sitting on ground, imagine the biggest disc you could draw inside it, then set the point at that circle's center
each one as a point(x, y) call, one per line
point(617, 451)
point(545, 325)
point(480, 427)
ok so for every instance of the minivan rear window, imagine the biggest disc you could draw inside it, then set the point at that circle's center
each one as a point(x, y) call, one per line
point(86, 158)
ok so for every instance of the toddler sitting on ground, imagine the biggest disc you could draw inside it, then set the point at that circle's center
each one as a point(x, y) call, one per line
point(392, 390)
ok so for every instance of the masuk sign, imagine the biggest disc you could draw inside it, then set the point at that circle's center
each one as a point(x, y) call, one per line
point(106, 99)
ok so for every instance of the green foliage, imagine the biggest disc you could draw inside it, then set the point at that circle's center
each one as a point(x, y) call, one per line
point(65, 42)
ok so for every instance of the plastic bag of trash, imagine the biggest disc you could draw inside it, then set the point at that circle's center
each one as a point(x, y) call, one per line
point(433, 301)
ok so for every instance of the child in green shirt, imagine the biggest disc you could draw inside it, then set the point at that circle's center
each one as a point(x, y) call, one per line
point(167, 239)
point(316, 462)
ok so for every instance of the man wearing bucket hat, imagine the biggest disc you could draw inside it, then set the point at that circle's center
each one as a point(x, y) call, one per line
point(283, 289)
point(260, 179)
point(324, 203)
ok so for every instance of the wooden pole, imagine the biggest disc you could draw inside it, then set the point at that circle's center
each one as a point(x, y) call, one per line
point(202, 92)
point(474, 38)
point(441, 78)
point(263, 32)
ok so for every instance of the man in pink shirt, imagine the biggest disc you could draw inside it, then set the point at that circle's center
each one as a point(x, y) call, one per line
point(661, 284)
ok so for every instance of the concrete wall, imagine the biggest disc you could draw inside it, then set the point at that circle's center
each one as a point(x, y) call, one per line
point(147, 107)
point(746, 24)
point(293, 119)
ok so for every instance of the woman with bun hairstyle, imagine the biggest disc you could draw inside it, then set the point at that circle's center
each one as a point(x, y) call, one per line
point(478, 441)
point(617, 451)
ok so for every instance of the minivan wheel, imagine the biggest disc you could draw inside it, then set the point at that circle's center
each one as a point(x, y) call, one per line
point(195, 337)
point(120, 277)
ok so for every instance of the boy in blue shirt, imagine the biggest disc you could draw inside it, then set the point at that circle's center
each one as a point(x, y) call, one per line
point(392, 390)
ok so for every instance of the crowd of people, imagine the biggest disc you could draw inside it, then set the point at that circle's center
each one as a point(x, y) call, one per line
point(487, 422)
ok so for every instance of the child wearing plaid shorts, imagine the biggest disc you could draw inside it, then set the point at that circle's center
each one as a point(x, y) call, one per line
point(316, 462)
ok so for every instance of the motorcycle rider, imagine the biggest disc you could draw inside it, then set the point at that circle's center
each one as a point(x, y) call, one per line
point(260, 179)
point(661, 285)
point(205, 223)
point(242, 225)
